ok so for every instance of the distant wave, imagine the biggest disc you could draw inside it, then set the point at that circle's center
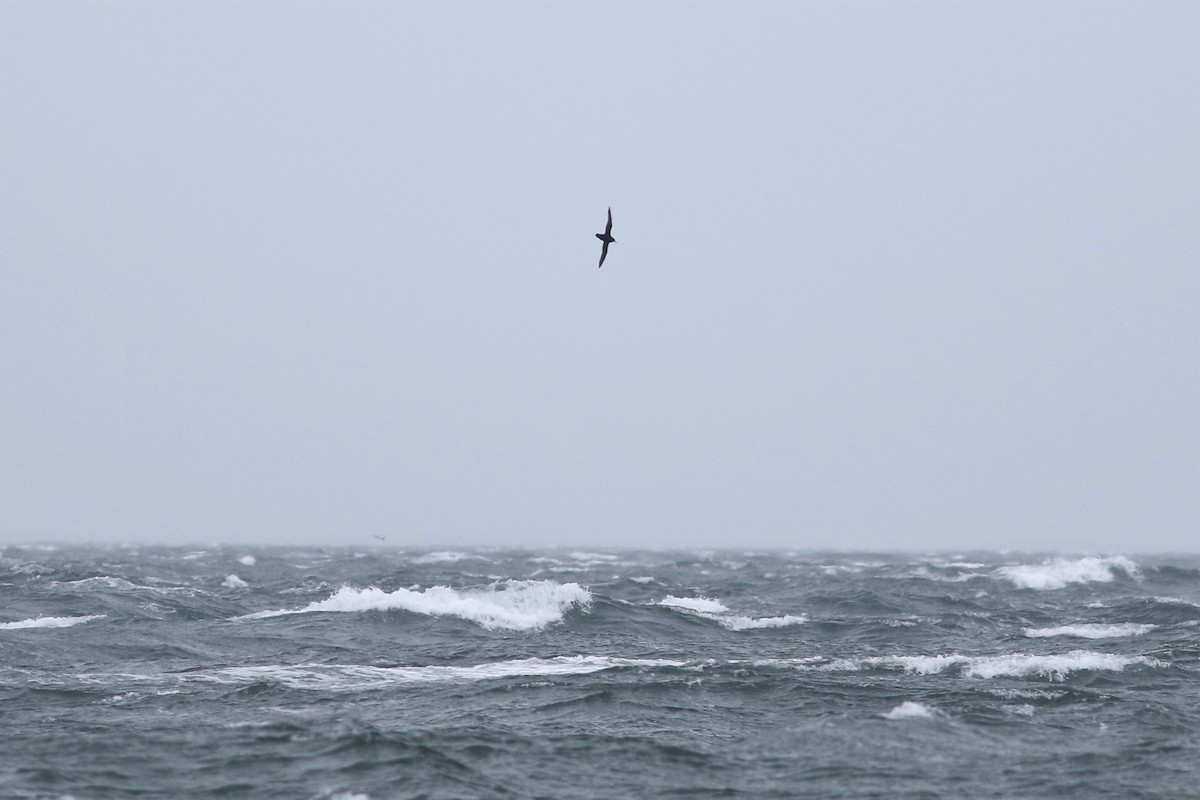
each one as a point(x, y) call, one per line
point(509, 605)
point(716, 610)
point(582, 555)
point(1060, 572)
point(101, 582)
point(442, 557)
point(1091, 631)
point(351, 677)
point(49, 622)
point(109, 583)
point(1176, 601)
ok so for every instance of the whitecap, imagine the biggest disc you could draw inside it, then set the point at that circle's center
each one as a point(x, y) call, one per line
point(710, 608)
point(248, 560)
point(701, 604)
point(1091, 631)
point(49, 622)
point(735, 623)
point(1053, 667)
point(234, 582)
point(920, 665)
point(510, 605)
point(1008, 693)
point(910, 710)
point(1060, 572)
point(351, 677)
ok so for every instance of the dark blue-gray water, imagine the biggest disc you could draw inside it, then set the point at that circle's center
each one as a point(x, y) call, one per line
point(143, 672)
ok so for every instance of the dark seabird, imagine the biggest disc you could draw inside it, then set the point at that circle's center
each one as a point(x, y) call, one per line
point(604, 237)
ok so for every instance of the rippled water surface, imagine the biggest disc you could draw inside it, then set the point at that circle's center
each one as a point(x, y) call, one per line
point(372, 674)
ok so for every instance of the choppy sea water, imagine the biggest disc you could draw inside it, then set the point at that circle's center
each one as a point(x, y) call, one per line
point(371, 674)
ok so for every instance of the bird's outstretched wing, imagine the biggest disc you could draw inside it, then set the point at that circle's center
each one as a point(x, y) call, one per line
point(603, 253)
point(608, 227)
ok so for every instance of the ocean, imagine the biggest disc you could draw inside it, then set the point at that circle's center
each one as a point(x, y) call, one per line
point(378, 673)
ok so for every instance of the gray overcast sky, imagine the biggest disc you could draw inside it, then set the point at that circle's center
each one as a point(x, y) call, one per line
point(887, 275)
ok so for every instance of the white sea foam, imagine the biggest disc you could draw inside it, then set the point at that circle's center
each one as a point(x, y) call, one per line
point(713, 609)
point(735, 623)
point(234, 582)
point(1007, 693)
point(333, 677)
point(1053, 667)
point(702, 605)
point(49, 622)
point(509, 605)
point(248, 560)
point(1091, 631)
point(643, 579)
point(1060, 572)
point(910, 710)
point(920, 665)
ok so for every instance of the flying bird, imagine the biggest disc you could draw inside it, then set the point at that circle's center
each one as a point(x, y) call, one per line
point(605, 238)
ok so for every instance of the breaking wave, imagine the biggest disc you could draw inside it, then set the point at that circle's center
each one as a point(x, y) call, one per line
point(351, 677)
point(1091, 631)
point(49, 622)
point(1052, 667)
point(910, 710)
point(709, 608)
point(1060, 572)
point(509, 605)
